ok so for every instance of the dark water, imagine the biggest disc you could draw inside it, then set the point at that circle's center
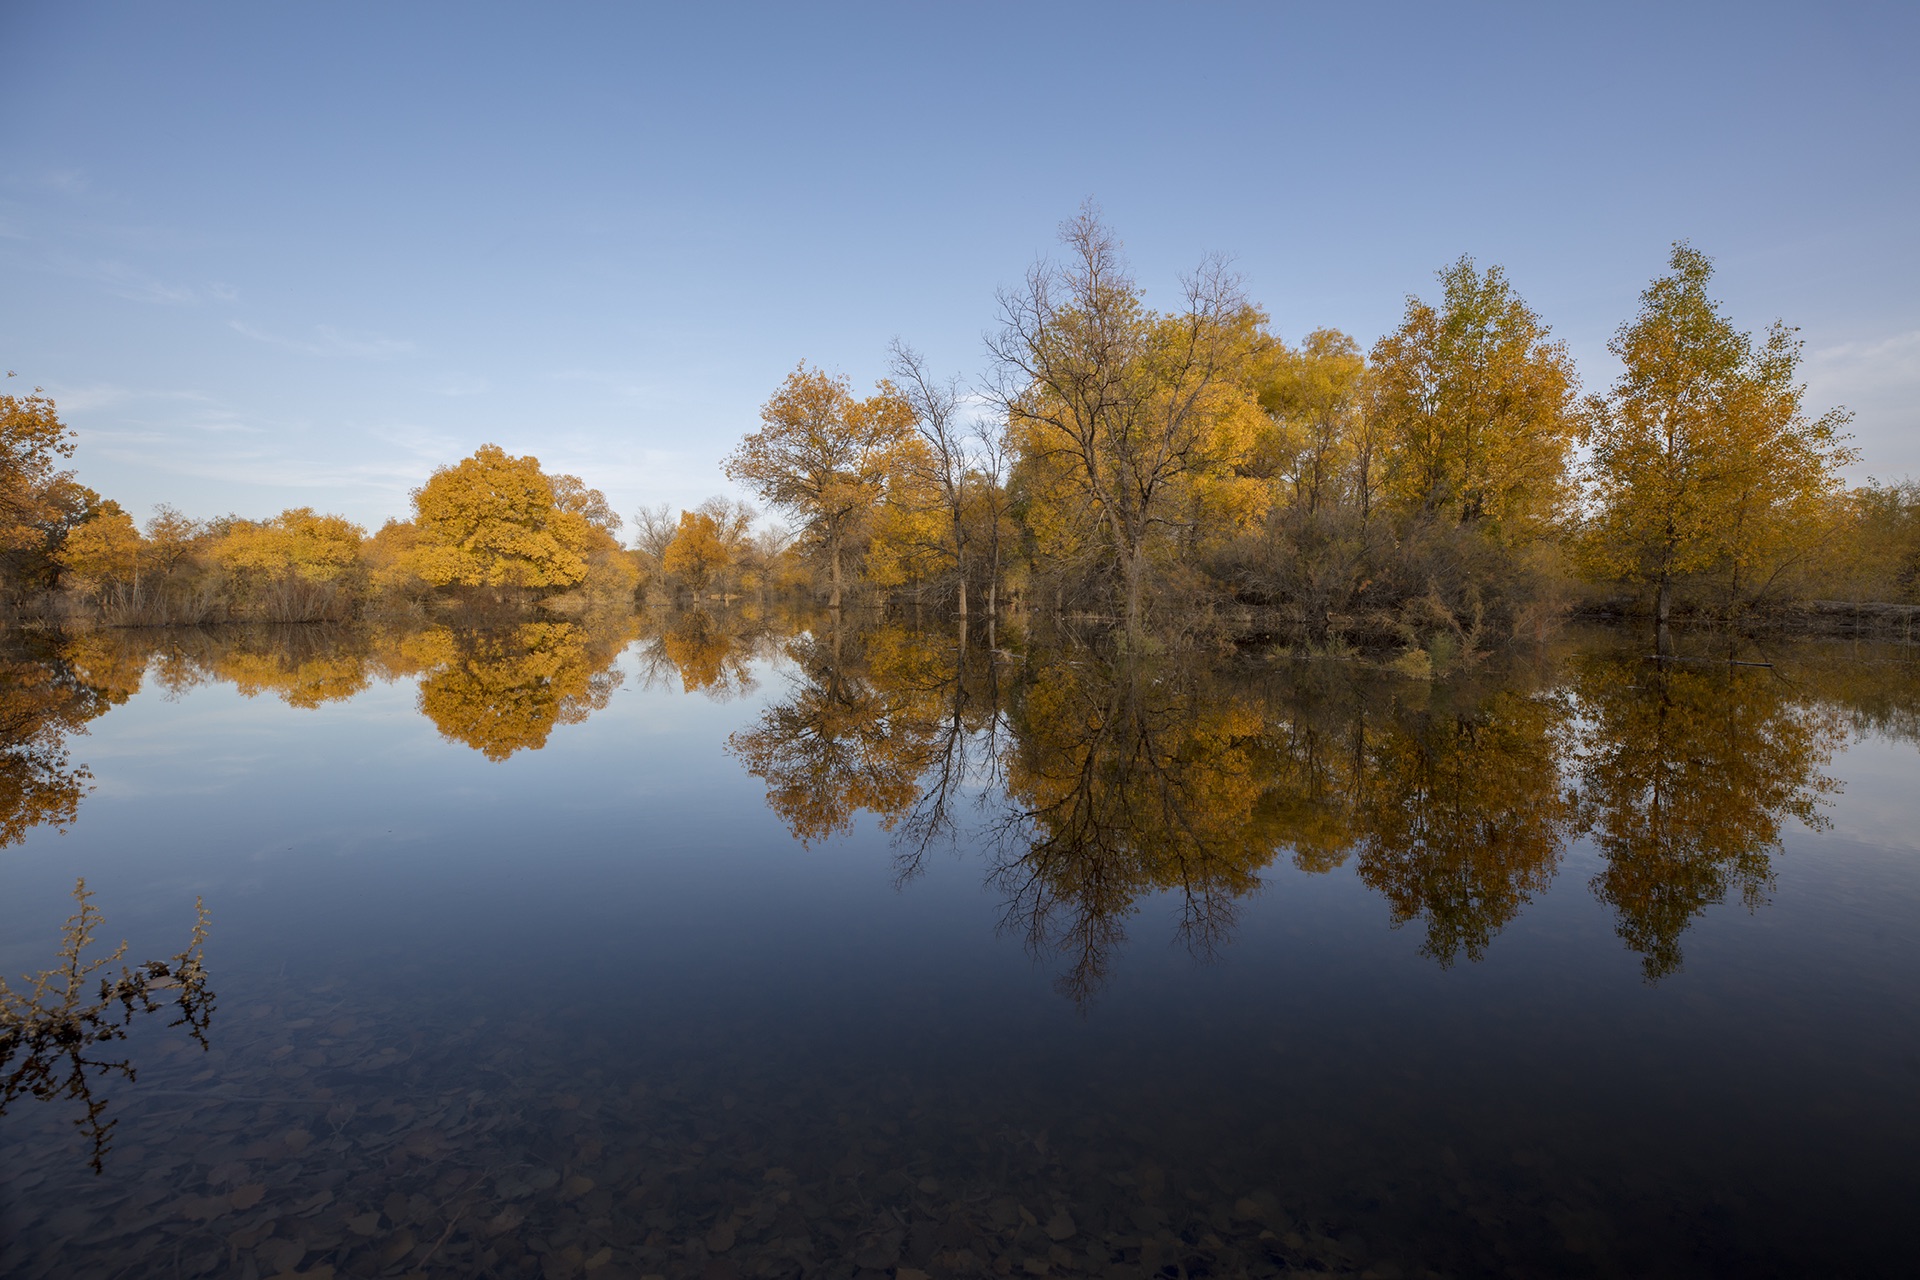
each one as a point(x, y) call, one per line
point(721, 951)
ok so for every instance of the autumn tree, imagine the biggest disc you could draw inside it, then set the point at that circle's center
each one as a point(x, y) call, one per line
point(1883, 553)
point(696, 555)
point(824, 457)
point(1320, 452)
point(32, 442)
point(492, 521)
point(1131, 425)
point(174, 538)
point(1475, 404)
point(298, 566)
point(1321, 460)
point(571, 494)
point(943, 467)
point(106, 553)
point(297, 543)
point(1703, 460)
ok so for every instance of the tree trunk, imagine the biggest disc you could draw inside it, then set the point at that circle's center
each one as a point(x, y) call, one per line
point(1136, 572)
point(993, 581)
point(963, 595)
point(1662, 607)
point(833, 598)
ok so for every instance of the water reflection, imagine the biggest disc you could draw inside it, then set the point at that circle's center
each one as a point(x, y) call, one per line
point(1466, 814)
point(43, 700)
point(1099, 779)
point(503, 691)
point(791, 1080)
point(1091, 780)
point(1127, 777)
point(1689, 774)
point(712, 652)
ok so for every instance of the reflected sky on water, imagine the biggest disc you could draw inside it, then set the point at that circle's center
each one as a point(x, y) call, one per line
point(572, 943)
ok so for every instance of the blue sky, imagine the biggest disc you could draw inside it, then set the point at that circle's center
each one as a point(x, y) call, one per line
point(274, 255)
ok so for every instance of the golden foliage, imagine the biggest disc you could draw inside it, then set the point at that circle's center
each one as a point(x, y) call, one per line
point(1135, 431)
point(297, 543)
point(104, 550)
point(492, 521)
point(1475, 407)
point(1318, 450)
point(32, 439)
point(824, 457)
point(696, 555)
point(1702, 459)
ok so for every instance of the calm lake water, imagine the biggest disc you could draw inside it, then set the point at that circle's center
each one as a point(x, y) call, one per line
point(727, 949)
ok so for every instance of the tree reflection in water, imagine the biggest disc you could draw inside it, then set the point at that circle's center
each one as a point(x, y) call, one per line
point(853, 734)
point(1465, 813)
point(1094, 780)
point(1690, 773)
point(501, 691)
point(1101, 779)
point(1127, 777)
point(43, 700)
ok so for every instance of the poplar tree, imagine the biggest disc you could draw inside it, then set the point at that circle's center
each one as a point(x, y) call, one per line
point(1703, 461)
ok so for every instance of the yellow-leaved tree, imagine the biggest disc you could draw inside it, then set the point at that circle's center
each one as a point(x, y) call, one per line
point(296, 567)
point(1703, 462)
point(1475, 405)
point(104, 553)
point(1134, 429)
point(1319, 452)
point(824, 457)
point(492, 520)
point(297, 543)
point(32, 440)
point(697, 554)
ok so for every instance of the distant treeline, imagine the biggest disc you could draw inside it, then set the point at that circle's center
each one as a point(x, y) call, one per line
point(1452, 486)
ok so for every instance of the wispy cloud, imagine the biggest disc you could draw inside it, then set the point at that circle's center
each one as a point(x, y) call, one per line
point(130, 282)
point(107, 396)
point(71, 182)
point(1879, 379)
point(329, 342)
point(1894, 359)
